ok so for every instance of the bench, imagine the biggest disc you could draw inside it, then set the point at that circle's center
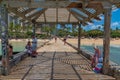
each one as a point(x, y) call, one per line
point(16, 59)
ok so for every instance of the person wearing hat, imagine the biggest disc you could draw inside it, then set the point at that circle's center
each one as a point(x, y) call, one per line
point(96, 56)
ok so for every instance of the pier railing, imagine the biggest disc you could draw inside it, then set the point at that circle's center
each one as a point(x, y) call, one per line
point(19, 57)
point(114, 69)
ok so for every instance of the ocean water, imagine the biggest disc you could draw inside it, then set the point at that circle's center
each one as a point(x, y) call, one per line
point(17, 46)
point(114, 52)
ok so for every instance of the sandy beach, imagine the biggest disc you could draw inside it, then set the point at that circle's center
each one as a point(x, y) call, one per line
point(25, 40)
point(91, 41)
point(84, 41)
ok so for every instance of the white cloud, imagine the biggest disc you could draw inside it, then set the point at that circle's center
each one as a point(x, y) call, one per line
point(101, 17)
point(116, 9)
point(89, 23)
point(114, 24)
point(95, 26)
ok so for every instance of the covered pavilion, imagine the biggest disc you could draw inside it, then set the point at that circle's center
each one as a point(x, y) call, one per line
point(77, 12)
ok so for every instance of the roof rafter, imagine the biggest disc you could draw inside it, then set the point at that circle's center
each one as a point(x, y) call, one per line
point(55, 23)
point(44, 16)
point(39, 14)
point(91, 15)
point(69, 17)
point(56, 15)
point(14, 10)
point(30, 16)
point(83, 23)
point(85, 19)
point(54, 3)
point(29, 10)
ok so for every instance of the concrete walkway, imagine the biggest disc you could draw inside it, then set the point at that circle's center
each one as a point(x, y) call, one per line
point(55, 61)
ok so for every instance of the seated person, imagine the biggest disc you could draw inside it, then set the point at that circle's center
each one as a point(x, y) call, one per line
point(99, 66)
point(29, 48)
point(10, 51)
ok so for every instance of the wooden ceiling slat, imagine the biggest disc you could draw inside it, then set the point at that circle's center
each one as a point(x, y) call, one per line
point(29, 10)
point(97, 5)
point(74, 15)
point(90, 15)
point(83, 23)
point(85, 19)
point(14, 10)
point(30, 16)
point(44, 16)
point(69, 17)
point(38, 15)
point(56, 15)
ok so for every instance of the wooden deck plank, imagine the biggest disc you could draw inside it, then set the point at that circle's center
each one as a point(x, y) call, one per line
point(55, 61)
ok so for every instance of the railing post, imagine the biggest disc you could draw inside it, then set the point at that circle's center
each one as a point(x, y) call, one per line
point(4, 39)
point(33, 21)
point(106, 40)
point(79, 37)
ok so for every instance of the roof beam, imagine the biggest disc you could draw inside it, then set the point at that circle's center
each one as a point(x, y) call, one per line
point(54, 3)
point(36, 4)
point(44, 17)
point(83, 23)
point(56, 15)
point(74, 15)
point(118, 5)
point(77, 14)
point(57, 23)
point(39, 14)
point(30, 16)
point(14, 10)
point(69, 16)
point(85, 19)
point(90, 14)
point(29, 10)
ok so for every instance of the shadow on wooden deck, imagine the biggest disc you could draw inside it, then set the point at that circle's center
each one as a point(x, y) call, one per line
point(55, 65)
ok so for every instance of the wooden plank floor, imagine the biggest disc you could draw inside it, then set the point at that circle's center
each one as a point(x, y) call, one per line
point(55, 61)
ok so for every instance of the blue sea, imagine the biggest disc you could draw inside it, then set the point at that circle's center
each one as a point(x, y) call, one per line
point(114, 52)
point(17, 46)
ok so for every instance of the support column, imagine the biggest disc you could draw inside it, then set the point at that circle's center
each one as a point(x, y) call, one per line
point(34, 29)
point(79, 37)
point(106, 41)
point(4, 39)
point(33, 21)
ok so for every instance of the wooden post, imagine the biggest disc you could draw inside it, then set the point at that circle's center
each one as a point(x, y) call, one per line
point(79, 37)
point(4, 39)
point(106, 41)
point(33, 21)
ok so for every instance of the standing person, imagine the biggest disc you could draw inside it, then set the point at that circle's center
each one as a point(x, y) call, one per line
point(96, 56)
point(29, 48)
point(55, 39)
point(34, 46)
point(65, 38)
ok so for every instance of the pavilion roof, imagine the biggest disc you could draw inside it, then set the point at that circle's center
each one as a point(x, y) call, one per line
point(59, 11)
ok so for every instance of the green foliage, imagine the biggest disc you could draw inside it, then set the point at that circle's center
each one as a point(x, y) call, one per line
point(94, 33)
point(42, 36)
point(62, 32)
point(17, 31)
point(29, 34)
point(115, 33)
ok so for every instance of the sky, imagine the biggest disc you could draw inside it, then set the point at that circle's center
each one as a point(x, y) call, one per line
point(115, 21)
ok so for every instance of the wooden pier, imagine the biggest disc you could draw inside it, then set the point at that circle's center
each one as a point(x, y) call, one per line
point(55, 61)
